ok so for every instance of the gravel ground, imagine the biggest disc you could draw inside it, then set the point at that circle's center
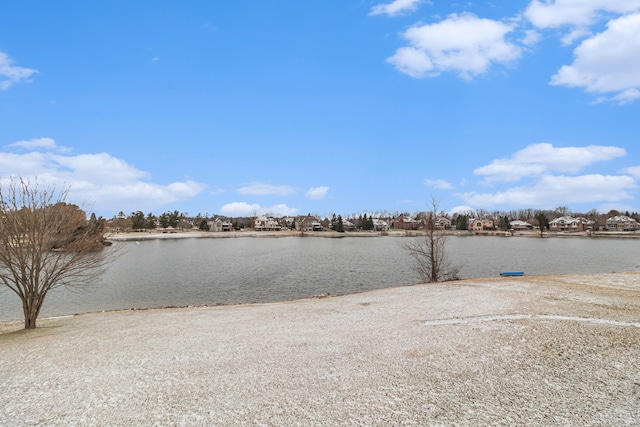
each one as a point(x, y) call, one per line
point(551, 350)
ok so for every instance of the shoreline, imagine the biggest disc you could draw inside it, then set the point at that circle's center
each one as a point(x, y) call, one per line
point(185, 234)
point(499, 351)
point(18, 324)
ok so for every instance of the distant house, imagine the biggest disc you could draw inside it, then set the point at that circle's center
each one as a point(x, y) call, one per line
point(263, 223)
point(348, 225)
point(215, 225)
point(287, 222)
point(622, 223)
point(442, 223)
point(405, 222)
point(520, 225)
point(380, 225)
point(478, 224)
point(308, 223)
point(219, 225)
point(569, 223)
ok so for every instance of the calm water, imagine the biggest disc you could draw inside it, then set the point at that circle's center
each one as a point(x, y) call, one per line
point(156, 273)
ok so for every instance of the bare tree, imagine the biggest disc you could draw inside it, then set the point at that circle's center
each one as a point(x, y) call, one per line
point(429, 251)
point(45, 244)
point(543, 222)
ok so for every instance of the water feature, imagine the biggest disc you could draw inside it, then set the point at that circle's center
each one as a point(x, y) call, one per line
point(179, 272)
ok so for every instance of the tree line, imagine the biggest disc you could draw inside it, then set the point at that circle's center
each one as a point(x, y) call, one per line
point(139, 221)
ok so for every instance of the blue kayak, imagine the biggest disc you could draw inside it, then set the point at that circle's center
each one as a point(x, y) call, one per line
point(512, 273)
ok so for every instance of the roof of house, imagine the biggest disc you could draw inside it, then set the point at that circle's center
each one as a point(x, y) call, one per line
point(563, 220)
point(621, 218)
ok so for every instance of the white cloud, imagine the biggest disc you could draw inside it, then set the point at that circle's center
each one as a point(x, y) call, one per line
point(101, 167)
point(317, 192)
point(281, 210)
point(558, 190)
point(240, 209)
point(136, 195)
point(438, 183)
point(607, 62)
point(260, 189)
point(627, 96)
point(413, 62)
point(235, 209)
point(575, 34)
point(461, 43)
point(461, 209)
point(531, 38)
point(107, 183)
point(540, 162)
point(633, 171)
point(575, 13)
point(396, 7)
point(539, 159)
point(11, 74)
point(40, 143)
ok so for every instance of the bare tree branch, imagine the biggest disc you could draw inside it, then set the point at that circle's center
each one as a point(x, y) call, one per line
point(429, 251)
point(45, 244)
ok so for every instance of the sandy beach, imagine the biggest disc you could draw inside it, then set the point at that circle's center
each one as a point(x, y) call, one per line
point(547, 351)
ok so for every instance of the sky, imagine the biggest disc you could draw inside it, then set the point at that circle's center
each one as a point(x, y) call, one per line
point(292, 107)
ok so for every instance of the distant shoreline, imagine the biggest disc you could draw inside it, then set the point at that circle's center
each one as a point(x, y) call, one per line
point(184, 234)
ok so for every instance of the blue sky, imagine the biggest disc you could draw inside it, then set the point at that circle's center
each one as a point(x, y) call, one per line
point(295, 107)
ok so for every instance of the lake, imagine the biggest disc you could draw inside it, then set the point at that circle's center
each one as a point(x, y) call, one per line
point(210, 271)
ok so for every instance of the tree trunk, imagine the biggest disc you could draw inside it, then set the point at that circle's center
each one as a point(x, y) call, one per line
point(31, 308)
point(30, 322)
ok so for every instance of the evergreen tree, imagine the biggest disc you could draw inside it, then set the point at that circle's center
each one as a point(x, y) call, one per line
point(366, 223)
point(150, 221)
point(505, 224)
point(137, 220)
point(462, 222)
point(170, 219)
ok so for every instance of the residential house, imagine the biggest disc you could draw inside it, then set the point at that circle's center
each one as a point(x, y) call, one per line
point(478, 224)
point(380, 225)
point(263, 223)
point(348, 225)
point(308, 223)
point(215, 224)
point(287, 222)
point(442, 223)
point(569, 223)
point(585, 224)
point(405, 222)
point(219, 225)
point(518, 225)
point(622, 223)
